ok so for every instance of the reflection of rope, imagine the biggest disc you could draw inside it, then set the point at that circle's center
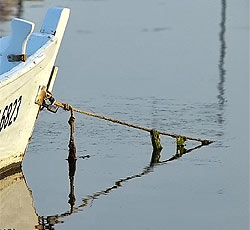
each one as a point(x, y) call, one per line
point(68, 107)
point(49, 221)
point(148, 169)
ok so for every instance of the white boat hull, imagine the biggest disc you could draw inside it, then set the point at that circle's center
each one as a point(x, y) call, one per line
point(18, 95)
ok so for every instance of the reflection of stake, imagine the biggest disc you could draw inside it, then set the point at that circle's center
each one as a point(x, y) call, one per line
point(180, 151)
point(155, 161)
point(72, 160)
point(72, 198)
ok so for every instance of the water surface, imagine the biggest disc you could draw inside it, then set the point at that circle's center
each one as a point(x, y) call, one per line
point(179, 66)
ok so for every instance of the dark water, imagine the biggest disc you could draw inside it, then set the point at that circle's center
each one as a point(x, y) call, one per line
point(180, 66)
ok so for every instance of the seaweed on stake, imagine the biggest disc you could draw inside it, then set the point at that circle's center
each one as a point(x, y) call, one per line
point(157, 147)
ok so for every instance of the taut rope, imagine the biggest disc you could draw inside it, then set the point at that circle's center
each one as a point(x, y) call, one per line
point(179, 138)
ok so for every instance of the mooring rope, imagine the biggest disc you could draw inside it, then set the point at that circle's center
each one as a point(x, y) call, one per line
point(68, 107)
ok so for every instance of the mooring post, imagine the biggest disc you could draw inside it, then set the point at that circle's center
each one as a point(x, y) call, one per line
point(157, 147)
point(180, 148)
point(155, 158)
point(156, 140)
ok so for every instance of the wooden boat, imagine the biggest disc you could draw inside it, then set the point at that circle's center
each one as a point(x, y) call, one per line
point(27, 74)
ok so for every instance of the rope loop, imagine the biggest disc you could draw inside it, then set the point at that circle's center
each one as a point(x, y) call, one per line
point(67, 107)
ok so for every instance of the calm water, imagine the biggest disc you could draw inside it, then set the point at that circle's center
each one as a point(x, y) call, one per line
point(179, 66)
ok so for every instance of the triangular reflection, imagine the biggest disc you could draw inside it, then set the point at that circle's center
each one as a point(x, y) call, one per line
point(16, 201)
point(88, 200)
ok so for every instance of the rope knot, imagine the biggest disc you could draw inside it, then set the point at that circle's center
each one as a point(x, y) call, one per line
point(67, 107)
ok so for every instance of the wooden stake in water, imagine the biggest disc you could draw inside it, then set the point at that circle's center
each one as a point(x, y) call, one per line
point(156, 140)
point(157, 147)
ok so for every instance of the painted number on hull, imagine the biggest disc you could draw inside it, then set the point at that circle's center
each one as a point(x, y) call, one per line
point(10, 113)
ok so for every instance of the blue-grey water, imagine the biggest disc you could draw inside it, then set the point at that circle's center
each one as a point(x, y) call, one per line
point(179, 66)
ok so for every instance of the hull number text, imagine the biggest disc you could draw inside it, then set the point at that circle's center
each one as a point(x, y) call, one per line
point(9, 114)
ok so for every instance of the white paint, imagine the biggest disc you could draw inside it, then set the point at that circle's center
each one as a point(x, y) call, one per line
point(24, 80)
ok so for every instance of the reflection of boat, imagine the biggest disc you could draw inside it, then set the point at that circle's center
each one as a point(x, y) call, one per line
point(16, 204)
point(16, 201)
point(26, 74)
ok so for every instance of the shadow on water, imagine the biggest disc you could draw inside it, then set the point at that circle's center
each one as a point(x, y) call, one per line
point(222, 71)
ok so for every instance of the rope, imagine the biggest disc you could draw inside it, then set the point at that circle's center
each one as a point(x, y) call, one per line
point(72, 147)
point(68, 107)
